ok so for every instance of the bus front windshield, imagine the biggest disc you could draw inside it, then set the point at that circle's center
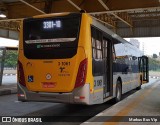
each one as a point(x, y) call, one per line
point(49, 38)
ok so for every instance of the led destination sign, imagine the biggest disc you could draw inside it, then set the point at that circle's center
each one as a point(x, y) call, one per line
point(51, 24)
point(53, 37)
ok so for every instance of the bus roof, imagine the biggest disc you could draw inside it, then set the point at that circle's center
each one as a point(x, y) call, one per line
point(109, 32)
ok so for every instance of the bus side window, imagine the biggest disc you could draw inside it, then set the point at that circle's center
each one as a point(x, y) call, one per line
point(113, 53)
point(105, 45)
point(94, 52)
point(97, 55)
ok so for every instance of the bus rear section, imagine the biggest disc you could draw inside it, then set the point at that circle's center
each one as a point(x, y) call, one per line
point(52, 63)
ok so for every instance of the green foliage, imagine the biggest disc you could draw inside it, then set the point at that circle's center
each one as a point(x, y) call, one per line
point(154, 64)
point(155, 56)
point(11, 58)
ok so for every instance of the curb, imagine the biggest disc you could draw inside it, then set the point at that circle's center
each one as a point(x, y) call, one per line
point(9, 74)
point(7, 91)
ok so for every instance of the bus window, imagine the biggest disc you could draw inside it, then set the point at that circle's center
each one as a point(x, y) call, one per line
point(44, 38)
point(105, 44)
point(96, 44)
point(98, 63)
point(114, 54)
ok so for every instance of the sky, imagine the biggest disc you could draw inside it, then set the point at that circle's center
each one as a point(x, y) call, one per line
point(151, 44)
point(8, 42)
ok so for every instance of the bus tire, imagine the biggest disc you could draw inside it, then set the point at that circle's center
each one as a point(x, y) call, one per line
point(118, 92)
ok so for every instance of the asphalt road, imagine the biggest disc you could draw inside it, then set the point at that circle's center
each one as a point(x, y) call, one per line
point(9, 106)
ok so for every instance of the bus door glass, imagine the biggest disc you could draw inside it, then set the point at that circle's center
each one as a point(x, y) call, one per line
point(108, 66)
point(143, 67)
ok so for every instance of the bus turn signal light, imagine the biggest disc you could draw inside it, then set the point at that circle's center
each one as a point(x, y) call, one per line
point(82, 72)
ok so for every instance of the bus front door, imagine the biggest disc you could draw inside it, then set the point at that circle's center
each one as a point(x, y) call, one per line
point(144, 69)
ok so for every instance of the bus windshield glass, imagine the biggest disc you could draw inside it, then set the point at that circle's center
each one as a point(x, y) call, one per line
point(47, 36)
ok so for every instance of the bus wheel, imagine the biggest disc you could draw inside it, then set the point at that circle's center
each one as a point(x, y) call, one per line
point(118, 91)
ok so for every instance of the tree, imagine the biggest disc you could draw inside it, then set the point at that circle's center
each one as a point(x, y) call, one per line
point(11, 59)
point(155, 56)
point(154, 64)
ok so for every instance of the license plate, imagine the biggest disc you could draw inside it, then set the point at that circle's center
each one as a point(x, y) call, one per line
point(48, 84)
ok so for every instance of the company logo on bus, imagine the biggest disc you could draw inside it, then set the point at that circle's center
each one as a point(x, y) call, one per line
point(48, 76)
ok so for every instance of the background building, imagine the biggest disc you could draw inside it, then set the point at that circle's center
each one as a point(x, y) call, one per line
point(135, 42)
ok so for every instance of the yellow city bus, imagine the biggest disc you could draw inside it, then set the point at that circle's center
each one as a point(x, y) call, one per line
point(72, 58)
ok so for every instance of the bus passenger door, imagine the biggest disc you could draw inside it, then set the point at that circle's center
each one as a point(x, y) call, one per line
point(107, 54)
point(144, 69)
